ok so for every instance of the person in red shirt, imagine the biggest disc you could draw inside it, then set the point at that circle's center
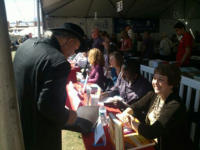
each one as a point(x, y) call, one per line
point(185, 44)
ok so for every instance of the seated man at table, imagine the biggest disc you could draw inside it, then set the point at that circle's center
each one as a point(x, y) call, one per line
point(130, 85)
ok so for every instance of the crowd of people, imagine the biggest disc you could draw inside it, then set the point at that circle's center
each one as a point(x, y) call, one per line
point(16, 42)
point(177, 48)
point(41, 69)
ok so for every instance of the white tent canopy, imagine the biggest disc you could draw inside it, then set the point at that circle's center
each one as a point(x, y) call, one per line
point(131, 8)
point(82, 12)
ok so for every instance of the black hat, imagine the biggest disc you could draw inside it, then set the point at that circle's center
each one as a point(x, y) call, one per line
point(71, 28)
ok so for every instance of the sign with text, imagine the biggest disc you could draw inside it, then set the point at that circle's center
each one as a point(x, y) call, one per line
point(119, 6)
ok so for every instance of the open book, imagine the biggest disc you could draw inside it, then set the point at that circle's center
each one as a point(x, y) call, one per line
point(134, 141)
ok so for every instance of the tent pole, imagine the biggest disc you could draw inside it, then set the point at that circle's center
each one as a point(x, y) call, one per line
point(10, 127)
point(43, 18)
point(184, 9)
point(38, 18)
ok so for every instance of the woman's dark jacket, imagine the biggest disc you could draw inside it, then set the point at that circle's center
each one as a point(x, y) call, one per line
point(41, 72)
point(170, 128)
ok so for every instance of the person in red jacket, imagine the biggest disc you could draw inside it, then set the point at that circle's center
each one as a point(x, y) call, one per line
point(185, 44)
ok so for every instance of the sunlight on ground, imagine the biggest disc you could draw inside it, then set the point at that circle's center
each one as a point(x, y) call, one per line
point(13, 54)
point(72, 141)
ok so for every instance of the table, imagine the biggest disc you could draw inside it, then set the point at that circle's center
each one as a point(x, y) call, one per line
point(72, 74)
point(89, 139)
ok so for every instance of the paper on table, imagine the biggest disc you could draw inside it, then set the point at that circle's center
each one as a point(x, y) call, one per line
point(85, 83)
point(94, 99)
point(112, 99)
point(74, 94)
point(98, 134)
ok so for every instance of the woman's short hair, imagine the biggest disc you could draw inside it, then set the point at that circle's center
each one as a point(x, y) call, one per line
point(179, 25)
point(95, 57)
point(118, 57)
point(172, 72)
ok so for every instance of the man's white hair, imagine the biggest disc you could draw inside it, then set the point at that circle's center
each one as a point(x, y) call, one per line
point(48, 34)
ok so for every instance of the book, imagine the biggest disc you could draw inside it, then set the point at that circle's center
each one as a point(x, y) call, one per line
point(87, 117)
point(115, 102)
point(134, 141)
point(74, 93)
point(122, 139)
point(85, 83)
point(116, 132)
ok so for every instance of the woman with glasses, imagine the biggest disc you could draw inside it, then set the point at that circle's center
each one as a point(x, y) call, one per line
point(161, 113)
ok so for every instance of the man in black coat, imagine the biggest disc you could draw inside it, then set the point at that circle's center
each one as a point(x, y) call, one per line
point(41, 71)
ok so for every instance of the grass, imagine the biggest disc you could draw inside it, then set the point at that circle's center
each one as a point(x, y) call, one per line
point(13, 54)
point(72, 141)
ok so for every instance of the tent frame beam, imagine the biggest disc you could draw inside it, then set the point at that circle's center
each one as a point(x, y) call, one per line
point(129, 9)
point(168, 7)
point(89, 7)
point(58, 7)
point(114, 7)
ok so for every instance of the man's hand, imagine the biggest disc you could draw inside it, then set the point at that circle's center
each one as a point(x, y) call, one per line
point(133, 122)
point(126, 115)
point(128, 111)
point(72, 117)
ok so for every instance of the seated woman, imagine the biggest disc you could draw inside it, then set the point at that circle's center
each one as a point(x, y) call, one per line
point(161, 113)
point(96, 60)
point(130, 85)
point(116, 61)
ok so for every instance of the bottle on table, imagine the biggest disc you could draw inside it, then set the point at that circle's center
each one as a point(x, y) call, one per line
point(102, 114)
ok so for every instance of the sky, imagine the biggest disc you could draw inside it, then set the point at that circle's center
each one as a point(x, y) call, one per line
point(24, 10)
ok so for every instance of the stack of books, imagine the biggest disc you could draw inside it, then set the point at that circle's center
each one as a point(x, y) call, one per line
point(123, 138)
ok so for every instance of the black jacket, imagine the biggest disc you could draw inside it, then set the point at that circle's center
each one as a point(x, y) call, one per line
point(41, 72)
point(170, 128)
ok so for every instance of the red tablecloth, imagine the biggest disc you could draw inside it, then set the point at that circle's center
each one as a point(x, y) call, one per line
point(89, 139)
point(72, 74)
